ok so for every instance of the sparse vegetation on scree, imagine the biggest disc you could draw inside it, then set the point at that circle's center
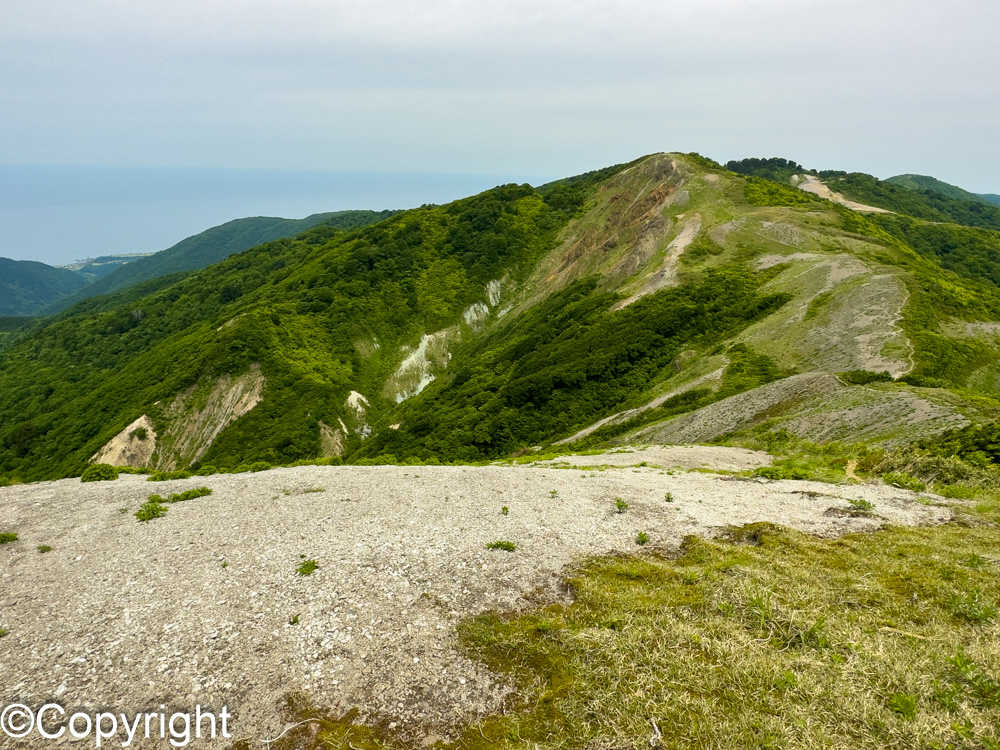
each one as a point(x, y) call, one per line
point(156, 505)
point(763, 637)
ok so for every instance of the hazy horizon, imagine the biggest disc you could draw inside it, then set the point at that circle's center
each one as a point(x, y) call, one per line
point(60, 214)
point(522, 89)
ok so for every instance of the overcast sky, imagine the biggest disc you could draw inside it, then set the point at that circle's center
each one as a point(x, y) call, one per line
point(505, 87)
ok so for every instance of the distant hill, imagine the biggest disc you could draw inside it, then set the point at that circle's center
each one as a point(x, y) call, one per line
point(96, 268)
point(923, 182)
point(775, 168)
point(925, 204)
point(990, 198)
point(212, 246)
point(27, 286)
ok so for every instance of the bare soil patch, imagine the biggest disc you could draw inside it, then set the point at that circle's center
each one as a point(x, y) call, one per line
point(205, 606)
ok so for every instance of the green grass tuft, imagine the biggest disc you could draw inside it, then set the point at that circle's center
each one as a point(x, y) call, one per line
point(502, 544)
point(307, 567)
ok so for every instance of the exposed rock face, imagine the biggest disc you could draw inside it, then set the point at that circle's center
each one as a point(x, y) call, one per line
point(134, 446)
point(419, 369)
point(331, 441)
point(196, 417)
point(744, 410)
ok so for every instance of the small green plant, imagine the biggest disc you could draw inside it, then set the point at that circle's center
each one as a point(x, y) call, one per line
point(553, 493)
point(502, 544)
point(903, 704)
point(504, 510)
point(99, 473)
point(620, 505)
point(313, 489)
point(43, 548)
point(225, 563)
point(3, 632)
point(668, 497)
point(306, 567)
point(971, 608)
point(139, 433)
point(642, 538)
point(151, 509)
point(293, 620)
point(7, 537)
point(861, 504)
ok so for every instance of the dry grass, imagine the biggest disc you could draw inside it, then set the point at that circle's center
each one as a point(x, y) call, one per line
point(763, 638)
point(770, 639)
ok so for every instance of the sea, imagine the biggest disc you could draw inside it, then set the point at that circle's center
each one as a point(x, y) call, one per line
point(61, 214)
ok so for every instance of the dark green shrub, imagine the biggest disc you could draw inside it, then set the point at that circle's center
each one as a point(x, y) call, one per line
point(779, 472)
point(43, 548)
point(7, 538)
point(260, 466)
point(164, 476)
point(206, 471)
point(863, 377)
point(139, 433)
point(99, 473)
point(179, 497)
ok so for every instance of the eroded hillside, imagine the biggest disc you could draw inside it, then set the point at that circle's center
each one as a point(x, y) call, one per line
point(669, 296)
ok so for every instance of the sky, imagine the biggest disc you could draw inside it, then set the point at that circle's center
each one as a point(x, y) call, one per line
point(445, 97)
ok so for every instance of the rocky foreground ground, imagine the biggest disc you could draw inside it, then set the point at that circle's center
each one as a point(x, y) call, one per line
point(205, 605)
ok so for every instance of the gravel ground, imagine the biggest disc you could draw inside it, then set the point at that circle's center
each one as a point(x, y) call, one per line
point(196, 607)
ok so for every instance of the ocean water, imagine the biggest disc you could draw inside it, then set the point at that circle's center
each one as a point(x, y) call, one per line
point(59, 214)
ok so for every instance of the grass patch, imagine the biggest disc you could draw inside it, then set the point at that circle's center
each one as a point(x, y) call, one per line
point(771, 638)
point(502, 544)
point(7, 537)
point(43, 548)
point(307, 567)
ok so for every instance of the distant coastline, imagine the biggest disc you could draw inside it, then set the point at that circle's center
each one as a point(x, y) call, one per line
point(61, 214)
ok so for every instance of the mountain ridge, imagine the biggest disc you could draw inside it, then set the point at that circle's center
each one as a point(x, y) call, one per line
point(521, 316)
point(207, 248)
